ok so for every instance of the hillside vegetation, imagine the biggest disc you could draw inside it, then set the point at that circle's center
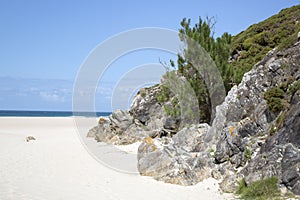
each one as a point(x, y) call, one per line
point(233, 55)
point(251, 45)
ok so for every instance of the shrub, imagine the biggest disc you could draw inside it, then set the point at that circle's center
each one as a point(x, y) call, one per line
point(287, 42)
point(143, 94)
point(167, 110)
point(272, 130)
point(294, 88)
point(241, 186)
point(262, 189)
point(280, 120)
point(277, 31)
point(274, 92)
point(172, 110)
point(163, 96)
point(283, 86)
point(247, 154)
point(274, 99)
point(275, 104)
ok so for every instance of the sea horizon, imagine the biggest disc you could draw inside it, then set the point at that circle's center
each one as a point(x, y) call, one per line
point(45, 113)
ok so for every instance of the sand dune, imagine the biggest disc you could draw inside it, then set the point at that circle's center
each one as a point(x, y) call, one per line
point(57, 166)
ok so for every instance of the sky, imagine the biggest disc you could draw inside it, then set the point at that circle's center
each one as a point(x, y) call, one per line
point(45, 42)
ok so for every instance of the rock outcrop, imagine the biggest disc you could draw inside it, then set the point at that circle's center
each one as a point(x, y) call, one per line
point(119, 128)
point(181, 159)
point(146, 117)
point(247, 139)
point(257, 141)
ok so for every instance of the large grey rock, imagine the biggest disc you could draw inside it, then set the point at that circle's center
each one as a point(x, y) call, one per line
point(230, 144)
point(120, 121)
point(229, 184)
point(244, 139)
point(119, 128)
point(146, 117)
point(145, 105)
point(104, 133)
point(92, 132)
point(279, 154)
point(191, 138)
point(172, 123)
point(176, 160)
point(291, 168)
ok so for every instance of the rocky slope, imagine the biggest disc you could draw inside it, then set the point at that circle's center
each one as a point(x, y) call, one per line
point(256, 141)
point(254, 134)
point(248, 138)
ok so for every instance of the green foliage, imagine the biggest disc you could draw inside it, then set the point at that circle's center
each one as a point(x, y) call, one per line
point(218, 49)
point(274, 92)
point(260, 190)
point(247, 153)
point(167, 110)
point(272, 130)
point(290, 40)
point(283, 86)
point(164, 95)
point(241, 186)
point(294, 88)
point(172, 110)
point(244, 50)
point(143, 94)
point(252, 44)
point(275, 104)
point(274, 99)
point(176, 108)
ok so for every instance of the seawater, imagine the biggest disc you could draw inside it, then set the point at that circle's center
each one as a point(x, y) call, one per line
point(22, 113)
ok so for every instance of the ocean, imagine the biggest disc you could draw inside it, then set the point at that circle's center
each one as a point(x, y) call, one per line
point(22, 113)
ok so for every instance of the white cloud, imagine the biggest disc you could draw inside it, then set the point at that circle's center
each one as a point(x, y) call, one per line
point(52, 97)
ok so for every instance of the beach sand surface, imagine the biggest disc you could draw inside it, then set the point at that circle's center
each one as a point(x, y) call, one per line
point(57, 166)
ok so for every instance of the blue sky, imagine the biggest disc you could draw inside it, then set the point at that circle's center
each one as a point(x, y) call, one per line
point(48, 40)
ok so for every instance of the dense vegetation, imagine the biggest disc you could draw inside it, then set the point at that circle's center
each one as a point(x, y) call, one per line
point(274, 97)
point(233, 55)
point(262, 189)
point(251, 45)
point(218, 49)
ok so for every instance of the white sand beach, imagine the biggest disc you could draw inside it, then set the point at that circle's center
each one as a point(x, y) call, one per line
point(57, 166)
